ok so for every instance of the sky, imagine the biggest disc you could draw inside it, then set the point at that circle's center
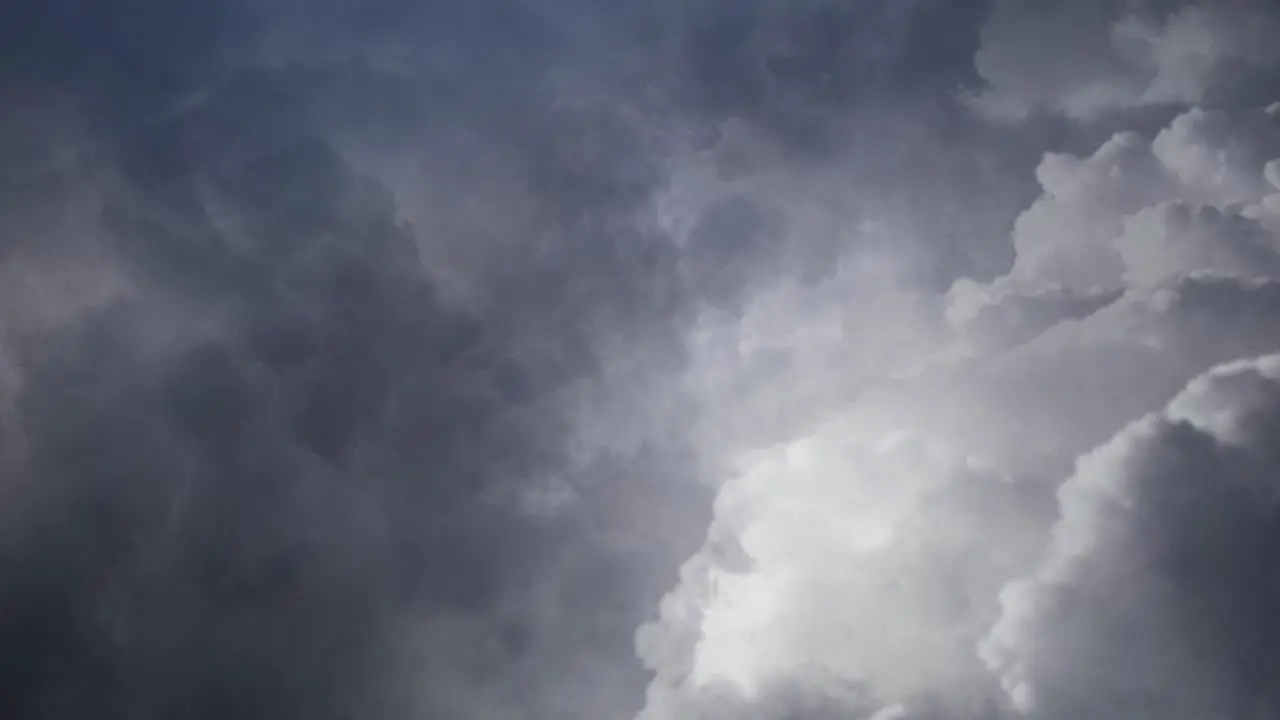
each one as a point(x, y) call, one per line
point(616, 360)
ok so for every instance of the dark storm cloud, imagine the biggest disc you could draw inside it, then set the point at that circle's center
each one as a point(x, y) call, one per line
point(260, 474)
point(208, 522)
point(834, 85)
point(280, 446)
point(790, 65)
point(351, 357)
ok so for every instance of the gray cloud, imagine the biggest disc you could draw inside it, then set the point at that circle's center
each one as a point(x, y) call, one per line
point(253, 449)
point(1150, 600)
point(288, 440)
point(1085, 59)
point(1142, 265)
point(394, 359)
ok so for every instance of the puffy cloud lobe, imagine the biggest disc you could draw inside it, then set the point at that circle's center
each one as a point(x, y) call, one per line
point(1152, 598)
point(836, 564)
point(1219, 156)
point(1121, 264)
point(1138, 211)
point(1065, 236)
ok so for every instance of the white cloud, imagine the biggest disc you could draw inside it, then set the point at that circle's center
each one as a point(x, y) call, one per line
point(1086, 231)
point(1219, 156)
point(868, 549)
point(1066, 236)
point(864, 562)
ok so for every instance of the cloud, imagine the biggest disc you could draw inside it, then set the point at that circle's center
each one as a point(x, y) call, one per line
point(867, 548)
point(1176, 238)
point(1121, 258)
point(253, 447)
point(1089, 58)
point(190, 495)
point(866, 566)
point(385, 359)
point(1149, 601)
point(1211, 164)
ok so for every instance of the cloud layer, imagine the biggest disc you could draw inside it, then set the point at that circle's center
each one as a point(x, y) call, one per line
point(583, 361)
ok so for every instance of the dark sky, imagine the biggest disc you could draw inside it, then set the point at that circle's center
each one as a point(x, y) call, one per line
point(706, 360)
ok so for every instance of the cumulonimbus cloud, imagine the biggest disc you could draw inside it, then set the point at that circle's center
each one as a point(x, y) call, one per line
point(871, 550)
point(388, 360)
